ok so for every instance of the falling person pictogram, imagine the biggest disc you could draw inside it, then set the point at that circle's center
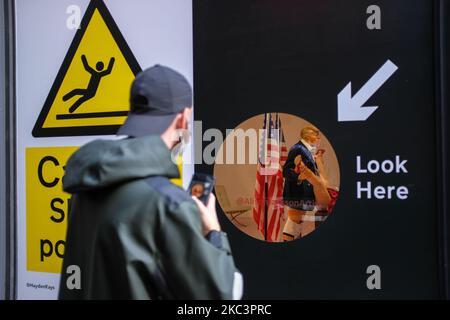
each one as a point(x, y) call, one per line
point(94, 82)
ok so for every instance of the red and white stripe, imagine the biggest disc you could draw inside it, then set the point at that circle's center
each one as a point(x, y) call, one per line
point(271, 173)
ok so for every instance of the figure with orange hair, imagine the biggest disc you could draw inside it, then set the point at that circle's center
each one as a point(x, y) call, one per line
point(305, 187)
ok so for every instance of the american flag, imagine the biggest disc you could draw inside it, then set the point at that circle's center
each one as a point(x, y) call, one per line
point(268, 205)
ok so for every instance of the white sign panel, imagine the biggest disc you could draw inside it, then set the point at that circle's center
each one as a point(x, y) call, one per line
point(75, 61)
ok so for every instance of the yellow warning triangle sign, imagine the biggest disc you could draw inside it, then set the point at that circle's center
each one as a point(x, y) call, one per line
point(90, 95)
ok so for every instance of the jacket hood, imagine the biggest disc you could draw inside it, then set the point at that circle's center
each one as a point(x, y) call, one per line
point(103, 163)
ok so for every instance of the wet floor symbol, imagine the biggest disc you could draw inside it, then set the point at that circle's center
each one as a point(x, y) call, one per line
point(96, 75)
point(90, 94)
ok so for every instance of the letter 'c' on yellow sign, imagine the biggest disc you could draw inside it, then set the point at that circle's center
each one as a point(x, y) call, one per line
point(90, 95)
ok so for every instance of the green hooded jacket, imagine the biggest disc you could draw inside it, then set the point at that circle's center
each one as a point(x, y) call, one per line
point(134, 234)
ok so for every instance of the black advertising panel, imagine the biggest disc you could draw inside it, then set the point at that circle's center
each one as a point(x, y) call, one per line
point(363, 74)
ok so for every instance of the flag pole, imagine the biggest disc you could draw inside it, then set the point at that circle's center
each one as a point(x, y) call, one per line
point(266, 207)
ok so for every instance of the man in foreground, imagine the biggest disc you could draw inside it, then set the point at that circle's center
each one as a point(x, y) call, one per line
point(132, 233)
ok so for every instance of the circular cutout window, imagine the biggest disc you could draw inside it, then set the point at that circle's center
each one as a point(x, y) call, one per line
point(277, 177)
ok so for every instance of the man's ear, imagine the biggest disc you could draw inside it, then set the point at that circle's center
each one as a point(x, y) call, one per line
point(179, 121)
point(184, 116)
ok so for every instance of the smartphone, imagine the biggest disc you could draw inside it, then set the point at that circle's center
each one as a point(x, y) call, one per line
point(201, 186)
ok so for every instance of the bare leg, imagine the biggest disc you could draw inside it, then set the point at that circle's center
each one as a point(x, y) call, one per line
point(292, 227)
point(296, 215)
point(319, 186)
point(321, 167)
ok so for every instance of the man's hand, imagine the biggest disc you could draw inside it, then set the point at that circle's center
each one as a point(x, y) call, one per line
point(208, 214)
point(300, 168)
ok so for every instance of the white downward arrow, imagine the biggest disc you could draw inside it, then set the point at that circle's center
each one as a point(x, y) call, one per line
point(351, 108)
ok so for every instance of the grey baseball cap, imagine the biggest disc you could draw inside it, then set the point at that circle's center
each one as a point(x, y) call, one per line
point(157, 95)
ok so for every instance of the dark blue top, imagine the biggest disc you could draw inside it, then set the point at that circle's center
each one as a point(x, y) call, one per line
point(298, 194)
